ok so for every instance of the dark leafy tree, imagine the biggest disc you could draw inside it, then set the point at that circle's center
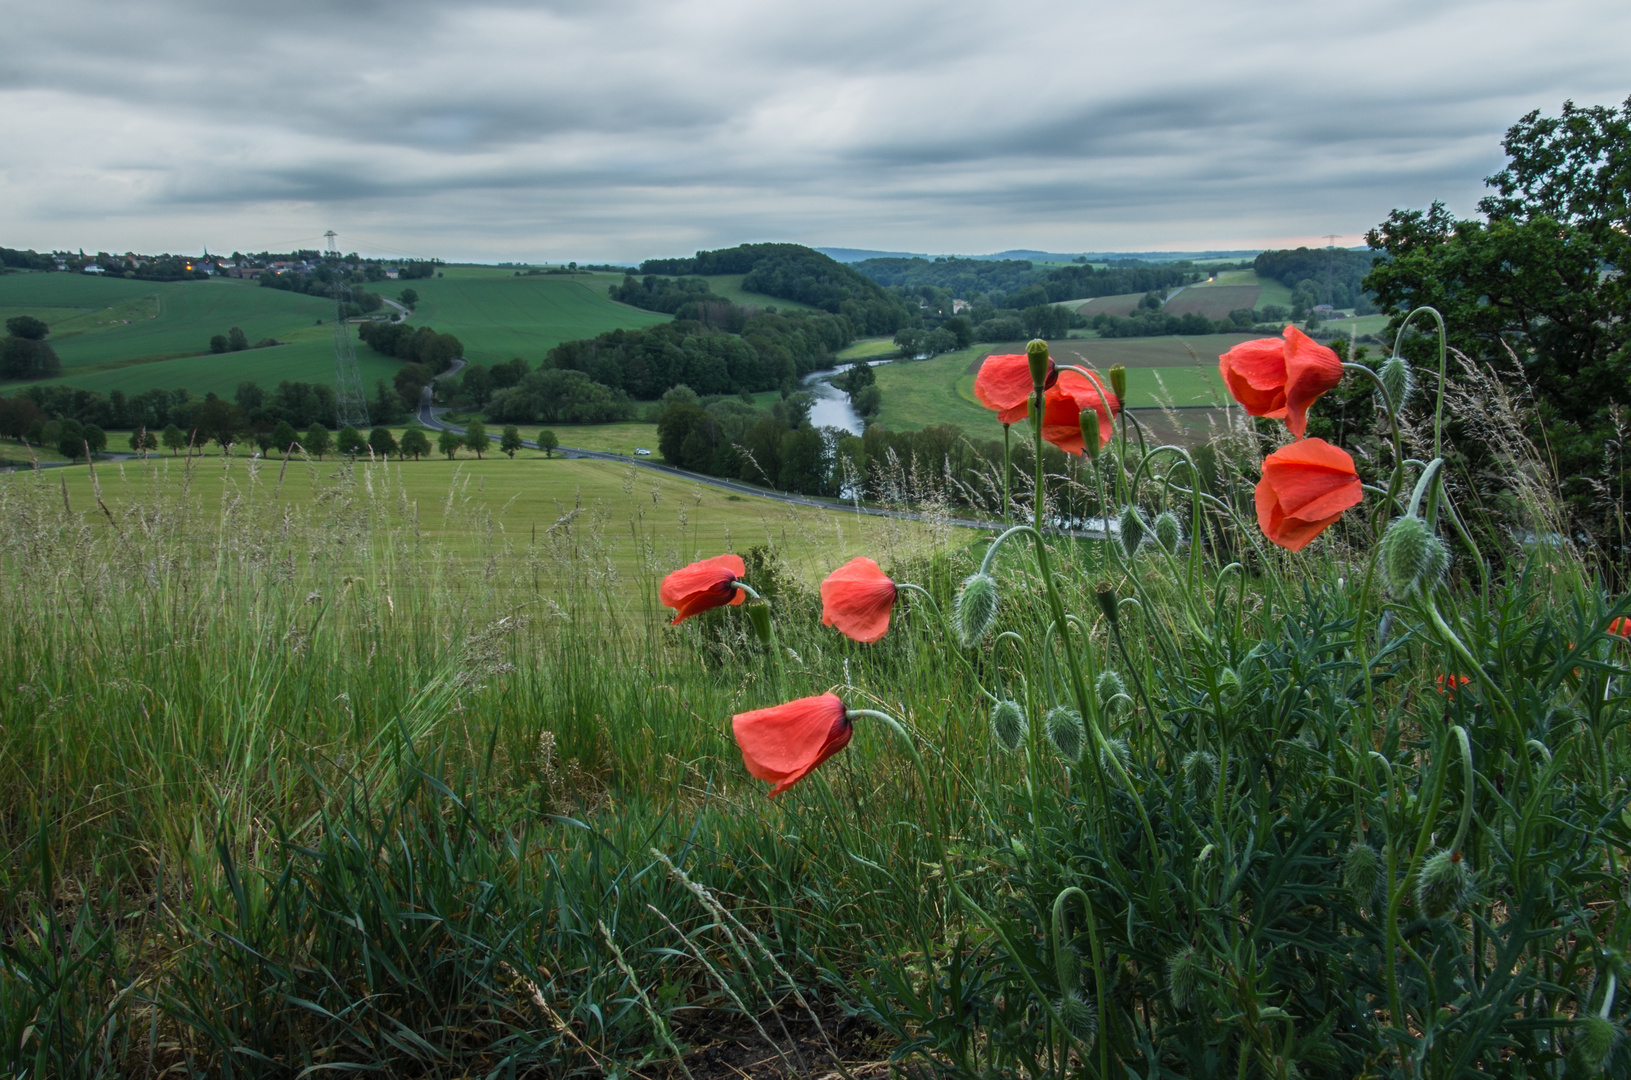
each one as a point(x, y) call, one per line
point(218, 343)
point(95, 438)
point(382, 442)
point(510, 441)
point(548, 441)
point(173, 439)
point(350, 442)
point(237, 340)
point(449, 443)
point(318, 441)
point(475, 437)
point(71, 439)
point(415, 444)
point(284, 436)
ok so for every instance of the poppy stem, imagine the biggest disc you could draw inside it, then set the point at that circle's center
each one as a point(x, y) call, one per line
point(1007, 467)
point(950, 636)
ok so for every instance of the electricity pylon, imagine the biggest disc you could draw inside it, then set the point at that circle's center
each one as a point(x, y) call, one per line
point(350, 400)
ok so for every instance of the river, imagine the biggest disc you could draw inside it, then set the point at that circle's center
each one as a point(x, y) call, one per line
point(832, 407)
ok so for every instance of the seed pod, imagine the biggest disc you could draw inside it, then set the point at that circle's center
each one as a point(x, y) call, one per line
point(1361, 873)
point(1079, 1016)
point(1105, 594)
point(1400, 380)
point(1008, 725)
point(1445, 884)
point(1064, 730)
point(1184, 978)
point(1169, 531)
point(1036, 352)
point(1118, 382)
point(1200, 772)
point(1594, 1039)
point(1412, 557)
point(1133, 529)
point(759, 619)
point(1109, 685)
point(1089, 420)
point(975, 608)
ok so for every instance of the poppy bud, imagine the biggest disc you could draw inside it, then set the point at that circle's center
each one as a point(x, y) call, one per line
point(1399, 380)
point(1445, 884)
point(1594, 1039)
point(1120, 749)
point(1412, 557)
point(1200, 772)
point(759, 619)
point(1079, 1016)
point(1360, 874)
point(1169, 531)
point(1036, 351)
point(1228, 684)
point(1008, 725)
point(1105, 594)
point(1183, 978)
point(1064, 730)
point(975, 608)
point(1110, 685)
point(1089, 421)
point(1118, 381)
point(1132, 530)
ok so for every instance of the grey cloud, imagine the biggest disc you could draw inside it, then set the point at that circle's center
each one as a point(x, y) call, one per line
point(514, 129)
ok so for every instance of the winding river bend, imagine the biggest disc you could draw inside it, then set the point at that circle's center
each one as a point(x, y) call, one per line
point(832, 407)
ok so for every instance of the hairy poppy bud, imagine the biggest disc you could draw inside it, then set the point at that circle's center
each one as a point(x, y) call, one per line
point(1120, 749)
point(1200, 772)
point(1079, 1016)
point(1412, 557)
point(1360, 874)
point(974, 608)
point(1008, 725)
point(1064, 730)
point(1228, 684)
point(759, 619)
point(1169, 531)
point(1183, 978)
point(1132, 530)
point(1399, 379)
point(1089, 421)
point(1594, 1039)
point(1110, 685)
point(1445, 884)
point(1118, 382)
point(1105, 594)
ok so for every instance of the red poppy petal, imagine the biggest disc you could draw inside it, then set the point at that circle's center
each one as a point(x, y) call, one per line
point(858, 599)
point(1004, 382)
point(783, 743)
point(1311, 370)
point(1255, 373)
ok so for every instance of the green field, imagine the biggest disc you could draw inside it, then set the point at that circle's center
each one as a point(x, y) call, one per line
point(1213, 301)
point(498, 315)
point(729, 286)
point(1120, 304)
point(869, 347)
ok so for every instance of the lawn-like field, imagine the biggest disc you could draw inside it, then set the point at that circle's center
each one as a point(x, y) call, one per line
point(870, 347)
point(1120, 304)
point(729, 286)
point(498, 315)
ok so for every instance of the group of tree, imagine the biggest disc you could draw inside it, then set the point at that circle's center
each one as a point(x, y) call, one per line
point(331, 280)
point(420, 344)
point(16, 259)
point(478, 382)
point(1333, 276)
point(556, 396)
point(1540, 288)
point(732, 439)
point(235, 340)
point(795, 272)
point(24, 352)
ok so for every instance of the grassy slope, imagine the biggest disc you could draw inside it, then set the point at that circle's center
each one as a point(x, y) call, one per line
point(498, 315)
point(729, 286)
point(678, 519)
point(1214, 301)
point(868, 347)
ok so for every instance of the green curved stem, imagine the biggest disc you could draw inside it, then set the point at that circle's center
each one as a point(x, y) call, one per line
point(1059, 923)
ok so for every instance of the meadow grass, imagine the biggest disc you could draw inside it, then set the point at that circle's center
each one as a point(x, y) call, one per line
point(869, 347)
point(346, 778)
point(1213, 301)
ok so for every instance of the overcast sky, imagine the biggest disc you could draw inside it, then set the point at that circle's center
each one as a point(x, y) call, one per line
point(621, 129)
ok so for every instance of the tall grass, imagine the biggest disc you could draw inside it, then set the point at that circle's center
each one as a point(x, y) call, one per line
point(294, 788)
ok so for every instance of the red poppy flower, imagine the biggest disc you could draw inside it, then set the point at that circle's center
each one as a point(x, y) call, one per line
point(1620, 626)
point(1280, 379)
point(785, 743)
point(1004, 384)
point(707, 584)
point(1448, 684)
point(858, 598)
point(1063, 405)
point(1305, 487)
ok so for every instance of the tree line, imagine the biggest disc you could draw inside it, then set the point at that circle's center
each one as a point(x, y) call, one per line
point(24, 352)
point(419, 344)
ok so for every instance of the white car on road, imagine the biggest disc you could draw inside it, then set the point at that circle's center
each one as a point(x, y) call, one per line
point(640, 451)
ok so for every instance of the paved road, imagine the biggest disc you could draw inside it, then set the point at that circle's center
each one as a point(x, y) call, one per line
point(430, 418)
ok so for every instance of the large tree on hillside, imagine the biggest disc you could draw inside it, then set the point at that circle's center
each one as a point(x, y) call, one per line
point(1544, 275)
